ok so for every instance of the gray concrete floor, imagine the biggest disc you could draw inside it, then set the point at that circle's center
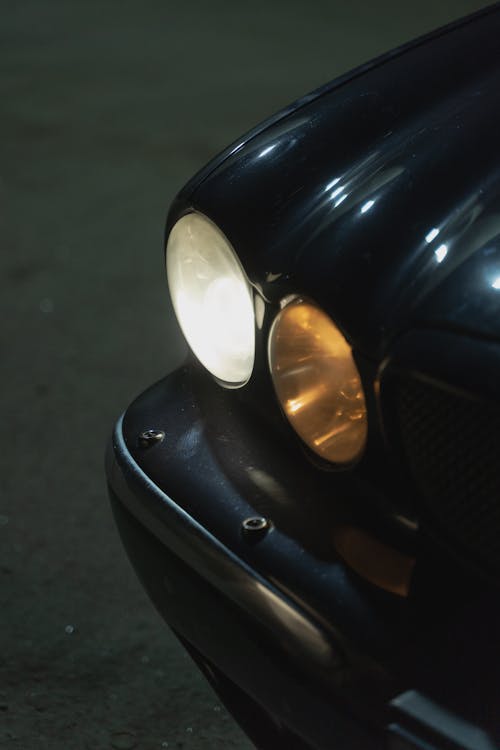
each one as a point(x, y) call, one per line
point(106, 109)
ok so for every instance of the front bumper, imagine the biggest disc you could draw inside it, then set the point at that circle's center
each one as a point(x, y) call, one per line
point(322, 652)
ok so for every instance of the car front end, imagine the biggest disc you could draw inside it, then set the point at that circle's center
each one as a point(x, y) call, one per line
point(312, 499)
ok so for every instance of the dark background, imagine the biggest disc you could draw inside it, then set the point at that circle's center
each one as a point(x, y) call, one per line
point(106, 109)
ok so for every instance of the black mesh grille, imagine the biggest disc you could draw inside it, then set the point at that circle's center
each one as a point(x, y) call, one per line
point(452, 444)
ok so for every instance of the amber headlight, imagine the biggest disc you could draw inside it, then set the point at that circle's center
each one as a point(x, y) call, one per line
point(317, 382)
point(212, 298)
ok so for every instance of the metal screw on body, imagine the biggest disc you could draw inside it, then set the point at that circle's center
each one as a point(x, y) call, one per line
point(149, 438)
point(255, 528)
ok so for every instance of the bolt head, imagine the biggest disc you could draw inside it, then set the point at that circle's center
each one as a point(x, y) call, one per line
point(255, 527)
point(150, 437)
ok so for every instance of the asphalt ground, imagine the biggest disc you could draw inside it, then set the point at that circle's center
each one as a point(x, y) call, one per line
point(106, 109)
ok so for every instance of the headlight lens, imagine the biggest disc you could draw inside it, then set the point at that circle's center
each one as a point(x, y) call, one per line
point(212, 298)
point(317, 382)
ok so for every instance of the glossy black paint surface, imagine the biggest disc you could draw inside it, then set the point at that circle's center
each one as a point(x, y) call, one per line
point(380, 198)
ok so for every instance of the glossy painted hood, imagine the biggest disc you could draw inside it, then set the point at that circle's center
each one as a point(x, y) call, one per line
point(379, 198)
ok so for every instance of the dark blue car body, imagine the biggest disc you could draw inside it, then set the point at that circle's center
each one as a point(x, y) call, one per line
point(377, 196)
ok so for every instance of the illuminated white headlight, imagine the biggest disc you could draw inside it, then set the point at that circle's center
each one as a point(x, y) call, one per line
point(212, 298)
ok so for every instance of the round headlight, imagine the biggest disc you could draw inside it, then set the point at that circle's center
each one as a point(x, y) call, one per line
point(212, 298)
point(317, 382)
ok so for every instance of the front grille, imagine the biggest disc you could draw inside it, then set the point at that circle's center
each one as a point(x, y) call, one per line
point(452, 447)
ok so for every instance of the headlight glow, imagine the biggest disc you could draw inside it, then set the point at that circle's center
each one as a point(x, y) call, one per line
point(317, 382)
point(212, 298)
